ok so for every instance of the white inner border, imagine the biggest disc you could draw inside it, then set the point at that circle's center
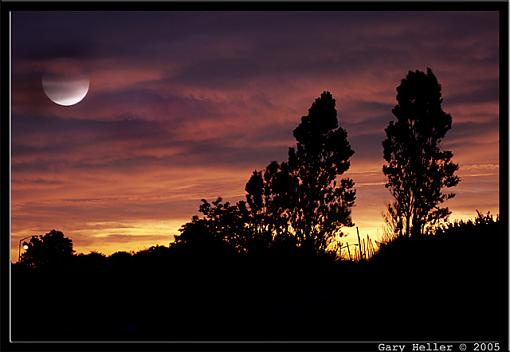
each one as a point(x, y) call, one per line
point(177, 341)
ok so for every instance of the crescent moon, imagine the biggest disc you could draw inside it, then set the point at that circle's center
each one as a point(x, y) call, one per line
point(65, 90)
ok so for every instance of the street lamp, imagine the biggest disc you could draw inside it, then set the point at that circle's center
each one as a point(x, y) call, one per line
point(25, 247)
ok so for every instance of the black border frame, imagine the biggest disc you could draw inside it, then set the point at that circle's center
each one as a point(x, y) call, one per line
point(6, 7)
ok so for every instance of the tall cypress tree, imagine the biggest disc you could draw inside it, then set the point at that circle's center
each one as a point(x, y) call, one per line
point(417, 169)
point(304, 200)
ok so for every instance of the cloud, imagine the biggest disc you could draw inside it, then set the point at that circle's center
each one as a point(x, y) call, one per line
point(483, 91)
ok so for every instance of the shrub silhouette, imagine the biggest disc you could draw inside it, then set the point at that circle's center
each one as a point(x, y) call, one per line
point(417, 170)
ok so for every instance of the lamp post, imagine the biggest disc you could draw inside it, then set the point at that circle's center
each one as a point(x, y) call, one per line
point(19, 247)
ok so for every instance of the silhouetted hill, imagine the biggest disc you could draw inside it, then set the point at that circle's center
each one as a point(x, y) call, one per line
point(442, 287)
point(448, 284)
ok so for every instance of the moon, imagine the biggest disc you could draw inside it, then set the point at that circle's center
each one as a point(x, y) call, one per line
point(65, 89)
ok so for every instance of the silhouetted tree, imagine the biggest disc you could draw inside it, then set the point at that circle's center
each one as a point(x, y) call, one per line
point(417, 170)
point(304, 199)
point(93, 260)
point(269, 197)
point(220, 227)
point(120, 259)
point(298, 203)
point(52, 249)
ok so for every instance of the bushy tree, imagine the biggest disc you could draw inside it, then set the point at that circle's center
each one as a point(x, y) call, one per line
point(269, 198)
point(221, 225)
point(417, 169)
point(52, 249)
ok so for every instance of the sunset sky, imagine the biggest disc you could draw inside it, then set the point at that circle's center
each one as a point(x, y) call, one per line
point(185, 105)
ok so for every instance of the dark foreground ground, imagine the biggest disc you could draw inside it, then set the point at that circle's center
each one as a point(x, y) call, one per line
point(446, 287)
